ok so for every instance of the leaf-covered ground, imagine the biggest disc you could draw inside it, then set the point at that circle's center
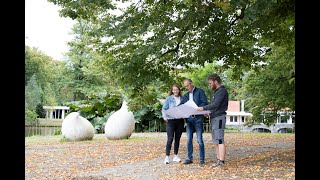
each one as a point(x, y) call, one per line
point(249, 156)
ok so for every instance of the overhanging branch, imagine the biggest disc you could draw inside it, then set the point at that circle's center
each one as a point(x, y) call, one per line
point(176, 48)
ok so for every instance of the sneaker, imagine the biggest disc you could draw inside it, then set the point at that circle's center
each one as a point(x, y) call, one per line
point(218, 165)
point(176, 158)
point(166, 160)
point(201, 163)
point(216, 162)
point(187, 161)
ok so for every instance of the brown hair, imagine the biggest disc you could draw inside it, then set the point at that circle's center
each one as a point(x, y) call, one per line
point(215, 76)
point(177, 86)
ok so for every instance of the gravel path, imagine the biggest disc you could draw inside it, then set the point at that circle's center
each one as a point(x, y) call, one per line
point(240, 148)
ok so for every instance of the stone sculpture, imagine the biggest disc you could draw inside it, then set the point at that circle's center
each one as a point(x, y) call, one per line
point(76, 128)
point(120, 124)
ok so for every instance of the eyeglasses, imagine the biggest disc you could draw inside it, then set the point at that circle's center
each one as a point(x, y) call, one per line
point(187, 85)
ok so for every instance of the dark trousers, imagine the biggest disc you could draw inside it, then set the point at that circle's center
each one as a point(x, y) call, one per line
point(174, 130)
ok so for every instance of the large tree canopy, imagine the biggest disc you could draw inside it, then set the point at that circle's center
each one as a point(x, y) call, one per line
point(149, 39)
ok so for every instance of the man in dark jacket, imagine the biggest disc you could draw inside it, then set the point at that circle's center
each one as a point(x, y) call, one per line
point(218, 108)
point(194, 122)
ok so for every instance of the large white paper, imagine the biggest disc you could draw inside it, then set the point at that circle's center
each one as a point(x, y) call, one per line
point(185, 110)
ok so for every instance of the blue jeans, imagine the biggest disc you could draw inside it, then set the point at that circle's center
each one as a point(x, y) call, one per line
point(195, 124)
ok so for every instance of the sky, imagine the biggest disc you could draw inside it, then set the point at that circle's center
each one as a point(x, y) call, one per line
point(45, 29)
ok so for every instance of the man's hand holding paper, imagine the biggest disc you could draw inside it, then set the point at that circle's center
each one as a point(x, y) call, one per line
point(185, 110)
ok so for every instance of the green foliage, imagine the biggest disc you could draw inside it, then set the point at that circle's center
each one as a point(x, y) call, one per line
point(147, 116)
point(153, 44)
point(99, 122)
point(42, 65)
point(40, 111)
point(51, 76)
point(96, 105)
point(199, 77)
point(30, 116)
point(63, 139)
point(150, 39)
point(289, 130)
point(49, 98)
point(36, 64)
point(140, 114)
point(84, 80)
point(231, 128)
point(57, 133)
point(148, 119)
point(272, 87)
point(249, 123)
point(33, 94)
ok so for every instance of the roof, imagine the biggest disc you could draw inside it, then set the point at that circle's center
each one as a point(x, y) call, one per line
point(234, 109)
point(56, 107)
point(241, 113)
point(234, 106)
point(283, 109)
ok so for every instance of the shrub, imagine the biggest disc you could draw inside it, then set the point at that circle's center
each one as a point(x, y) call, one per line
point(30, 117)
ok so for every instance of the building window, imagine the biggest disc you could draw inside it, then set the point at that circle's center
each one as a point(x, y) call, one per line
point(242, 118)
point(231, 118)
point(283, 119)
point(235, 119)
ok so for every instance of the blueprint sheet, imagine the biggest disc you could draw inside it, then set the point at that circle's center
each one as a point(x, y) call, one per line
point(185, 110)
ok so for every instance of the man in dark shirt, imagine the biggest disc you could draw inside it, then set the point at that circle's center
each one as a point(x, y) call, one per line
point(218, 108)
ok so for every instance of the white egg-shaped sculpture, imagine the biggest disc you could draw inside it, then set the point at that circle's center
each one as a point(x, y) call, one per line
point(120, 124)
point(76, 128)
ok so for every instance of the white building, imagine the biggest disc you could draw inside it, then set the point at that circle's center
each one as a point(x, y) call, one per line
point(236, 115)
point(56, 112)
point(285, 116)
